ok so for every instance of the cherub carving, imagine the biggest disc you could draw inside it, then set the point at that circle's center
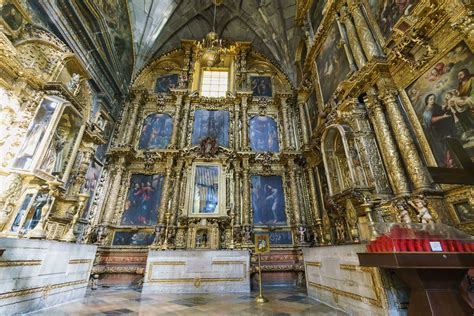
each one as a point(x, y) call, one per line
point(421, 206)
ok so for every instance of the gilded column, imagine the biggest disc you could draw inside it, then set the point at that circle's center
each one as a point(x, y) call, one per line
point(237, 193)
point(122, 130)
point(165, 192)
point(176, 193)
point(313, 196)
point(303, 123)
point(245, 130)
point(294, 192)
point(130, 124)
point(245, 193)
point(286, 127)
point(388, 147)
point(176, 121)
point(236, 125)
point(119, 169)
point(354, 42)
point(70, 163)
point(184, 125)
point(366, 37)
point(416, 170)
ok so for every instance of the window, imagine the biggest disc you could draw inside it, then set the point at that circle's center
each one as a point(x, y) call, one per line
point(214, 84)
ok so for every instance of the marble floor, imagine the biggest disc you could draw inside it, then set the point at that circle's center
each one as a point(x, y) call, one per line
point(282, 301)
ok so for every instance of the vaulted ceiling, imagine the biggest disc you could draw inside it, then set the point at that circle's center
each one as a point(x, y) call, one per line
point(119, 37)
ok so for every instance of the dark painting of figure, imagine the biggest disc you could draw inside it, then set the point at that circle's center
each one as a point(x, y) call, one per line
point(11, 16)
point(268, 201)
point(263, 134)
point(280, 238)
point(166, 82)
point(387, 12)
point(313, 111)
point(90, 183)
point(443, 99)
point(464, 211)
point(332, 63)
point(316, 13)
point(156, 131)
point(206, 190)
point(35, 134)
point(261, 86)
point(213, 124)
point(133, 239)
point(144, 194)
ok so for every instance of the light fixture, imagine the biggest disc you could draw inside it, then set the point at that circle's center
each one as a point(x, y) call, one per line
point(211, 46)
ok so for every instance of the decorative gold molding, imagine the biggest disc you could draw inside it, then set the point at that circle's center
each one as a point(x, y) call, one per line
point(44, 289)
point(313, 264)
point(80, 261)
point(169, 263)
point(20, 263)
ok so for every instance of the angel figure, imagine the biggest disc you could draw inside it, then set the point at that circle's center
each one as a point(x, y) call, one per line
point(403, 215)
point(420, 206)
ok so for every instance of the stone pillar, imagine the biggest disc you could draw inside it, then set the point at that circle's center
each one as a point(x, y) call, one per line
point(245, 193)
point(176, 193)
point(176, 121)
point(388, 147)
point(184, 123)
point(416, 170)
point(237, 193)
point(354, 42)
point(294, 192)
point(350, 58)
point(365, 34)
point(286, 127)
point(165, 192)
point(303, 123)
point(119, 169)
point(236, 125)
point(244, 126)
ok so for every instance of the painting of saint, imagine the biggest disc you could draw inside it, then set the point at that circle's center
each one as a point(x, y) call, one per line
point(92, 177)
point(332, 63)
point(143, 200)
point(133, 239)
point(156, 131)
point(21, 212)
point(214, 124)
point(443, 99)
point(35, 134)
point(206, 190)
point(313, 111)
point(464, 211)
point(62, 143)
point(11, 16)
point(263, 134)
point(268, 201)
point(166, 82)
point(261, 86)
point(388, 12)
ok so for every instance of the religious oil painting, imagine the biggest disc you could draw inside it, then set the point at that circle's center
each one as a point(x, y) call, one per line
point(443, 99)
point(332, 63)
point(90, 183)
point(281, 238)
point(30, 213)
point(214, 124)
point(11, 16)
point(268, 201)
point(316, 13)
point(261, 86)
point(205, 190)
point(166, 82)
point(263, 134)
point(21, 212)
point(464, 211)
point(35, 134)
point(133, 239)
point(62, 143)
point(143, 200)
point(156, 131)
point(313, 111)
point(388, 12)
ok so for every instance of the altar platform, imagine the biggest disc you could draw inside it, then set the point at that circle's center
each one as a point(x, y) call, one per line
point(197, 271)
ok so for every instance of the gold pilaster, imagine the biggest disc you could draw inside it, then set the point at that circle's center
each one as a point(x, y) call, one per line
point(131, 124)
point(176, 121)
point(237, 193)
point(245, 193)
point(286, 122)
point(245, 131)
point(294, 192)
point(354, 42)
point(184, 123)
point(165, 192)
point(236, 125)
point(119, 169)
point(303, 123)
point(365, 35)
point(176, 192)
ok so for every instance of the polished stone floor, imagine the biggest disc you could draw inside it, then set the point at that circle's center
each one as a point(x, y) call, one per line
point(282, 301)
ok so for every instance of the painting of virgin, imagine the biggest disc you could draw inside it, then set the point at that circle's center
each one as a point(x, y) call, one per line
point(206, 190)
point(268, 201)
point(214, 124)
point(62, 143)
point(388, 12)
point(35, 134)
point(443, 99)
point(166, 82)
point(133, 239)
point(261, 86)
point(332, 63)
point(263, 134)
point(156, 131)
point(143, 200)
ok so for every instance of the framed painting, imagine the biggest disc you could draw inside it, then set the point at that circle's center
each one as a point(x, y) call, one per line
point(156, 131)
point(133, 238)
point(90, 184)
point(443, 98)
point(388, 12)
point(464, 211)
point(214, 124)
point(332, 63)
point(268, 201)
point(261, 86)
point(207, 190)
point(166, 82)
point(62, 143)
point(11, 16)
point(35, 134)
point(262, 243)
point(143, 200)
point(29, 213)
point(263, 134)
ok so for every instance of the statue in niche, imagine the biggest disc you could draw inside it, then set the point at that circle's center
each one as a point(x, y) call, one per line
point(54, 157)
point(201, 239)
point(340, 231)
point(421, 206)
point(73, 83)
